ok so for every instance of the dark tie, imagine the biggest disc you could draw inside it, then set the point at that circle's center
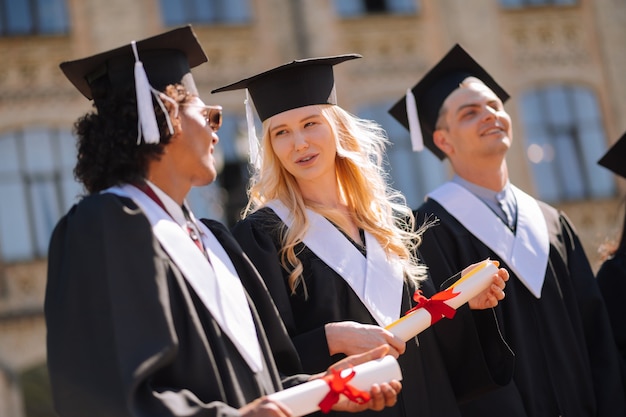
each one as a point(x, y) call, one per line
point(510, 221)
point(193, 231)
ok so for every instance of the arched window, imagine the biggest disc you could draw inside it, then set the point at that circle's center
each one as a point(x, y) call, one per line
point(34, 17)
point(226, 12)
point(413, 173)
point(564, 140)
point(37, 187)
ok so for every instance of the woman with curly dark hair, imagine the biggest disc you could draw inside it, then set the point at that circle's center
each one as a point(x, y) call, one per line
point(149, 311)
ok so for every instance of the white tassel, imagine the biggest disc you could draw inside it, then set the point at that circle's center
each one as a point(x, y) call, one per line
point(159, 98)
point(252, 137)
point(147, 125)
point(417, 140)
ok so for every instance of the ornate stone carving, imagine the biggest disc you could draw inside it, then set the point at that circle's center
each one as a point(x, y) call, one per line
point(547, 40)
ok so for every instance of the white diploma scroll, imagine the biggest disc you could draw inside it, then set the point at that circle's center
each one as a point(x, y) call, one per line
point(471, 283)
point(303, 399)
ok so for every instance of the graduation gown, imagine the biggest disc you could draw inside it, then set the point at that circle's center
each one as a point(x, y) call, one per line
point(433, 378)
point(566, 363)
point(611, 279)
point(127, 334)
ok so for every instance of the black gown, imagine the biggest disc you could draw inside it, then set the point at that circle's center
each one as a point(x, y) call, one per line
point(611, 279)
point(127, 335)
point(566, 362)
point(436, 372)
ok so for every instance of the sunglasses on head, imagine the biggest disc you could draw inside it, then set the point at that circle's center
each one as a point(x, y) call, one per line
point(212, 115)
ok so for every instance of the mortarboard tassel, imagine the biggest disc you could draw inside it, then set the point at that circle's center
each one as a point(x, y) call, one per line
point(414, 122)
point(147, 124)
point(252, 137)
point(159, 98)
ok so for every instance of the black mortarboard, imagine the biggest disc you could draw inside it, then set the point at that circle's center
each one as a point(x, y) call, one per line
point(147, 66)
point(432, 90)
point(615, 158)
point(299, 83)
point(167, 59)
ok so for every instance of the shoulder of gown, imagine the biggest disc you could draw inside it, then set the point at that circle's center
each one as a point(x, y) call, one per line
point(283, 350)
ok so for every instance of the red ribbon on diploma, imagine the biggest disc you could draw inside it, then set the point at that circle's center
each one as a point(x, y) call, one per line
point(339, 385)
point(435, 305)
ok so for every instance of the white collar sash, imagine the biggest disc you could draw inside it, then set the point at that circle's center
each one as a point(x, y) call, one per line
point(218, 287)
point(376, 280)
point(525, 252)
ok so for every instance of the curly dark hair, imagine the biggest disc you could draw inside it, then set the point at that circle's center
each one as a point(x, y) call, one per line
point(108, 153)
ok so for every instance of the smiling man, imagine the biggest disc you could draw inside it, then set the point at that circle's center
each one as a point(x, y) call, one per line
point(553, 315)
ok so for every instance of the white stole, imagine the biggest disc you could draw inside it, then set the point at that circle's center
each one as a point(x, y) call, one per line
point(376, 280)
point(525, 252)
point(218, 287)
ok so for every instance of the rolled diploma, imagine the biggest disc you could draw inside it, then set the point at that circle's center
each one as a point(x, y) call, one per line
point(304, 398)
point(468, 286)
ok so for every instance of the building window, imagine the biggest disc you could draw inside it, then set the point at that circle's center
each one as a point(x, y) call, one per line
point(520, 4)
point(37, 187)
point(564, 140)
point(359, 8)
point(414, 174)
point(33, 17)
point(228, 12)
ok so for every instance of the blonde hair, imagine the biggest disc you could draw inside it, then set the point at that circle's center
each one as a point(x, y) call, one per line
point(375, 207)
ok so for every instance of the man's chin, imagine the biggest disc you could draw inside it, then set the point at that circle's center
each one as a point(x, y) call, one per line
point(209, 178)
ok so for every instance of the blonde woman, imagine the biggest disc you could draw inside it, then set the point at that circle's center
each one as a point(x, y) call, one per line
point(149, 311)
point(336, 245)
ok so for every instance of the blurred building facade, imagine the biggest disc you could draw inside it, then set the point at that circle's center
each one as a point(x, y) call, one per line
point(562, 61)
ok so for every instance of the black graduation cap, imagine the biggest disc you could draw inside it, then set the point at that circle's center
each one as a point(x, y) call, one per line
point(615, 158)
point(299, 83)
point(167, 59)
point(432, 90)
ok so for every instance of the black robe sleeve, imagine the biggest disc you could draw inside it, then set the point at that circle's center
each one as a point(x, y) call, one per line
point(283, 350)
point(259, 237)
point(611, 279)
point(126, 334)
point(604, 359)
